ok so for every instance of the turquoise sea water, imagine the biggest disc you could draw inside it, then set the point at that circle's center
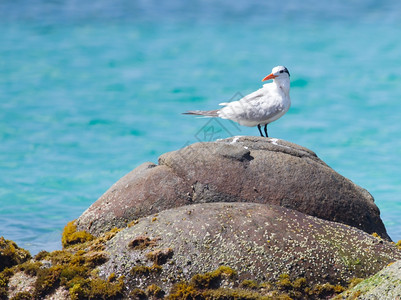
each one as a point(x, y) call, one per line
point(90, 90)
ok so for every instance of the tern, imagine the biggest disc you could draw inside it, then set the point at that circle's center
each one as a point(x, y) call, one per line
point(259, 108)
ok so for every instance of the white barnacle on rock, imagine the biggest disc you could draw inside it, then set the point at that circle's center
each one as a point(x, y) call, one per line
point(235, 139)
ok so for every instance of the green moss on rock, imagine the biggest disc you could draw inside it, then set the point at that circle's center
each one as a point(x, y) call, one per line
point(23, 296)
point(160, 256)
point(249, 284)
point(212, 279)
point(208, 286)
point(47, 280)
point(97, 288)
point(74, 272)
point(138, 294)
point(184, 290)
point(11, 254)
point(5, 276)
point(154, 291)
point(145, 270)
point(398, 244)
point(41, 255)
point(142, 242)
point(71, 236)
point(30, 267)
point(73, 269)
point(224, 293)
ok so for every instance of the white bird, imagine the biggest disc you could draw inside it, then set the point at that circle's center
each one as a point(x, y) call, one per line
point(260, 107)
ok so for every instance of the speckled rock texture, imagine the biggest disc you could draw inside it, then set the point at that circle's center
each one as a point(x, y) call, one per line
point(20, 282)
point(259, 241)
point(385, 285)
point(238, 169)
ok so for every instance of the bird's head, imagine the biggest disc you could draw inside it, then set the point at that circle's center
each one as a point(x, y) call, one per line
point(278, 72)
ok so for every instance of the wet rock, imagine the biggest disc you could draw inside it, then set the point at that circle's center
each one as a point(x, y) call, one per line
point(259, 241)
point(385, 285)
point(238, 169)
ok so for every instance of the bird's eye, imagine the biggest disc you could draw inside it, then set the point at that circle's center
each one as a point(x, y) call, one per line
point(281, 71)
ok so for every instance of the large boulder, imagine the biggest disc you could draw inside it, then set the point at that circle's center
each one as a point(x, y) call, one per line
point(259, 241)
point(238, 169)
point(209, 251)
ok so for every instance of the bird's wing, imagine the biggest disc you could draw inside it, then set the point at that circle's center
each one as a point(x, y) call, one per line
point(254, 95)
point(252, 109)
point(248, 98)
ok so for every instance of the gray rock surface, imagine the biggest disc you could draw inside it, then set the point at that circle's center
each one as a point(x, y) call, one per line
point(259, 241)
point(385, 285)
point(238, 169)
point(20, 282)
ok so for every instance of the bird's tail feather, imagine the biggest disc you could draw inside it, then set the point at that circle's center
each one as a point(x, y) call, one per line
point(207, 113)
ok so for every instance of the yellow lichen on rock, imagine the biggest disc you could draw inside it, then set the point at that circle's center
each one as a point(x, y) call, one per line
point(160, 256)
point(11, 254)
point(71, 236)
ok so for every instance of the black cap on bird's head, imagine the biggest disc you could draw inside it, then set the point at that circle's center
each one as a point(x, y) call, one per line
point(276, 72)
point(285, 70)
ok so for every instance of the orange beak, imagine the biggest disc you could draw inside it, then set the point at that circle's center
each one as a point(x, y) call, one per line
point(268, 77)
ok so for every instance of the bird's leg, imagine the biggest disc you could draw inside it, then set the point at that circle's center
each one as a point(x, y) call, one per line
point(261, 134)
point(266, 131)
